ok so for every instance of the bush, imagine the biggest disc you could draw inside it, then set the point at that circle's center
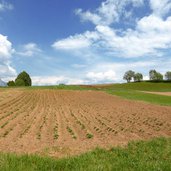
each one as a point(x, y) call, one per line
point(25, 77)
point(11, 83)
point(19, 82)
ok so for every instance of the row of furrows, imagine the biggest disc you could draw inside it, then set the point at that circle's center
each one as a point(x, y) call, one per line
point(142, 124)
point(81, 117)
point(123, 123)
point(97, 123)
point(44, 115)
point(8, 94)
point(13, 112)
point(21, 117)
point(64, 123)
point(31, 116)
point(4, 96)
point(78, 123)
point(48, 128)
point(9, 109)
point(11, 102)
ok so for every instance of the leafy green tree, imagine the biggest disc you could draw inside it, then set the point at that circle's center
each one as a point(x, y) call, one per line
point(168, 75)
point(11, 83)
point(129, 75)
point(138, 77)
point(25, 77)
point(19, 82)
point(152, 74)
point(155, 76)
point(159, 76)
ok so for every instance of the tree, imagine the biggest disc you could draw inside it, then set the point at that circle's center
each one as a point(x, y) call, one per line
point(138, 77)
point(129, 75)
point(155, 76)
point(152, 74)
point(25, 77)
point(19, 82)
point(168, 75)
point(11, 83)
point(159, 76)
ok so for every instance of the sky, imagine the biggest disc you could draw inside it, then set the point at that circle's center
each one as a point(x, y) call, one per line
point(84, 42)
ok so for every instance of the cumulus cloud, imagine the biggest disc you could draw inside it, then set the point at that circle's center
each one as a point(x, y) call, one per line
point(29, 50)
point(110, 72)
point(107, 76)
point(6, 52)
point(5, 48)
point(78, 41)
point(5, 6)
point(150, 35)
point(110, 11)
point(160, 7)
point(55, 80)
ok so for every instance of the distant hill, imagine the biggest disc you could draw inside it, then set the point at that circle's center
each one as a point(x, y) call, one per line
point(163, 86)
point(2, 83)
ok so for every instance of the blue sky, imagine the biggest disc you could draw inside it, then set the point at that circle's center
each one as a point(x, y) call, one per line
point(83, 42)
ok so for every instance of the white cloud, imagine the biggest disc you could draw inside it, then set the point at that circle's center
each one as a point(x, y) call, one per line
point(6, 52)
point(160, 7)
point(46, 80)
point(96, 77)
point(29, 49)
point(78, 41)
point(55, 80)
point(110, 11)
point(150, 35)
point(105, 72)
point(5, 47)
point(5, 6)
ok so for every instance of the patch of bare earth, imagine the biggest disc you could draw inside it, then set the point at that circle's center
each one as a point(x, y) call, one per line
point(61, 123)
point(159, 93)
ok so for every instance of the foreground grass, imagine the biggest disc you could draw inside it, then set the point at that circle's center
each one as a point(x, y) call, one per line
point(136, 95)
point(154, 155)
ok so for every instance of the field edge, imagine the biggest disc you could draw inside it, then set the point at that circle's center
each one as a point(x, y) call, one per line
point(154, 154)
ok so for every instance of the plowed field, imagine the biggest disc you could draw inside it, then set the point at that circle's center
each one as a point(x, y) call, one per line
point(59, 122)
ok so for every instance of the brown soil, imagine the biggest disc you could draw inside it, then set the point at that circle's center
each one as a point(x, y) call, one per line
point(159, 93)
point(56, 123)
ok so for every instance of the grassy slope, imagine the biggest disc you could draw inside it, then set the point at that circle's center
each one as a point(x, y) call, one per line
point(132, 91)
point(140, 96)
point(151, 155)
point(142, 86)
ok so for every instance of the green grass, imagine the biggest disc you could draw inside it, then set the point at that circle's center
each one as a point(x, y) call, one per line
point(154, 155)
point(132, 91)
point(142, 86)
point(140, 96)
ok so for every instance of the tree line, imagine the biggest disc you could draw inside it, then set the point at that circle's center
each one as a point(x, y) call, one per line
point(23, 79)
point(153, 76)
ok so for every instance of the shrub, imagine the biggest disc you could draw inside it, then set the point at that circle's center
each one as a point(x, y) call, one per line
point(25, 77)
point(19, 82)
point(11, 83)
